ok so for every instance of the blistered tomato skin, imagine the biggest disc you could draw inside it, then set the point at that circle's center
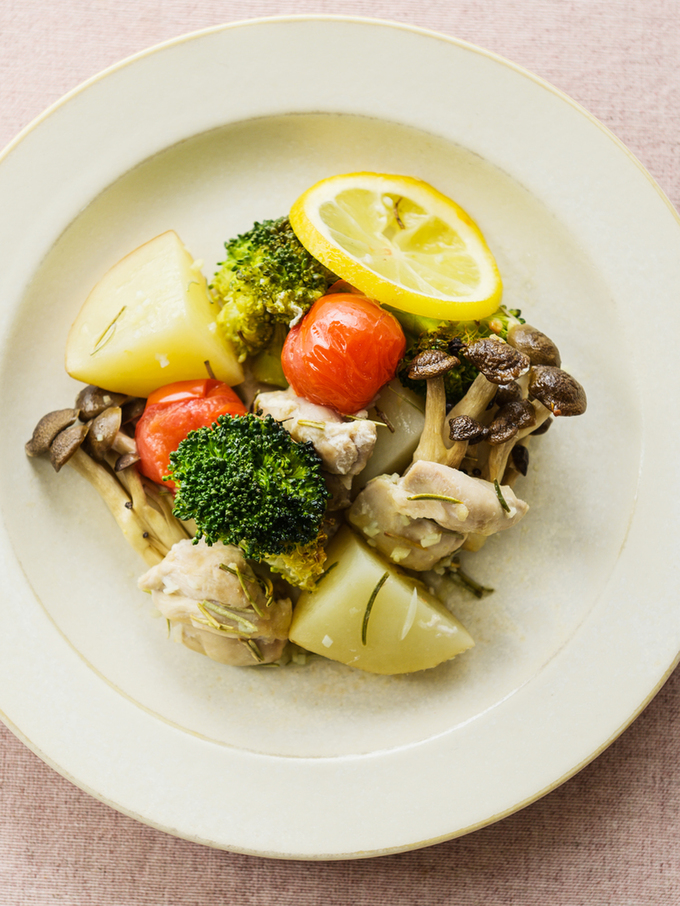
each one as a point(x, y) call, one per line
point(343, 351)
point(171, 412)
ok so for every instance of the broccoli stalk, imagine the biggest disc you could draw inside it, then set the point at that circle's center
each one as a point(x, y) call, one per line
point(267, 278)
point(245, 481)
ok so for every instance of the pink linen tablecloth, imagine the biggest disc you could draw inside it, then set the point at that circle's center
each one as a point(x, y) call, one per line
point(611, 835)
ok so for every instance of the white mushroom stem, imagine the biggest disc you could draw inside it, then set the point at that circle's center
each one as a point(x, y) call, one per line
point(474, 403)
point(123, 443)
point(498, 455)
point(152, 508)
point(432, 446)
point(150, 528)
point(118, 502)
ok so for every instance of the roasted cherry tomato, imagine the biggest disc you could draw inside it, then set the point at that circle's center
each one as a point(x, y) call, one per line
point(171, 412)
point(342, 352)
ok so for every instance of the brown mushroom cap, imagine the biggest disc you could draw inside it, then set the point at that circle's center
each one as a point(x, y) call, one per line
point(542, 428)
point(431, 363)
point(508, 393)
point(510, 419)
point(499, 362)
point(103, 430)
point(125, 460)
point(520, 458)
point(501, 431)
point(464, 427)
point(65, 445)
point(92, 401)
point(132, 410)
point(557, 390)
point(535, 344)
point(47, 429)
point(520, 412)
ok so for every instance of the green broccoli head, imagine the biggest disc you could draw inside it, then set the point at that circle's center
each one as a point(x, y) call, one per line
point(449, 336)
point(267, 278)
point(245, 481)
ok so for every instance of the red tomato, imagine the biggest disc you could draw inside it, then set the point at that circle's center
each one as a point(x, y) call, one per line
point(171, 412)
point(342, 352)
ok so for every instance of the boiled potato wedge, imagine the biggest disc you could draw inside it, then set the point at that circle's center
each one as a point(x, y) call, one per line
point(408, 629)
point(149, 321)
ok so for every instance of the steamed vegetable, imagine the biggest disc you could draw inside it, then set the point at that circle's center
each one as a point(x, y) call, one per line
point(344, 350)
point(172, 412)
point(267, 278)
point(246, 482)
point(148, 322)
point(366, 614)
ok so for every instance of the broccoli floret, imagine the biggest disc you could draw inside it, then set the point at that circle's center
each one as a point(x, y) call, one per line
point(449, 336)
point(245, 481)
point(303, 565)
point(267, 277)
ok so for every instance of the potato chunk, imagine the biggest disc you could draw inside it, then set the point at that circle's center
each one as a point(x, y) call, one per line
point(149, 321)
point(408, 628)
point(393, 451)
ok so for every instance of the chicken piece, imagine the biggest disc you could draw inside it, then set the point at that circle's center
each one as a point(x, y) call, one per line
point(414, 543)
point(344, 446)
point(233, 652)
point(479, 511)
point(397, 513)
point(229, 613)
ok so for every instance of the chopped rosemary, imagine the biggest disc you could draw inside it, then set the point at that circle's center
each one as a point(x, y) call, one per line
point(435, 497)
point(209, 618)
point(384, 420)
point(267, 587)
point(108, 333)
point(235, 571)
point(357, 418)
point(254, 650)
point(325, 573)
point(224, 630)
point(369, 606)
point(307, 423)
point(499, 494)
point(206, 606)
point(477, 590)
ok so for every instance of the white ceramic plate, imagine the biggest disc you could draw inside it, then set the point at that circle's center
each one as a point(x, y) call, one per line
point(204, 135)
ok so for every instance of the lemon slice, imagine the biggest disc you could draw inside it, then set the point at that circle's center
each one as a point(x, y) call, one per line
point(401, 242)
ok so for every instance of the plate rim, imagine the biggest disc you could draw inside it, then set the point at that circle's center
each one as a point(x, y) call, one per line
point(333, 17)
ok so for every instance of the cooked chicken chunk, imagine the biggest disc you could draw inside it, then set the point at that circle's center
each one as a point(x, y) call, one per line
point(402, 520)
point(226, 613)
point(414, 543)
point(479, 511)
point(344, 446)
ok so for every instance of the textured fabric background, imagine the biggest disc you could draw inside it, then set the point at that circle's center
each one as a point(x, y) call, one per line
point(611, 835)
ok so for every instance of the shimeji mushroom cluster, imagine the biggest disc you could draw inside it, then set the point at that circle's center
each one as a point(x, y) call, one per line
point(93, 439)
point(520, 385)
